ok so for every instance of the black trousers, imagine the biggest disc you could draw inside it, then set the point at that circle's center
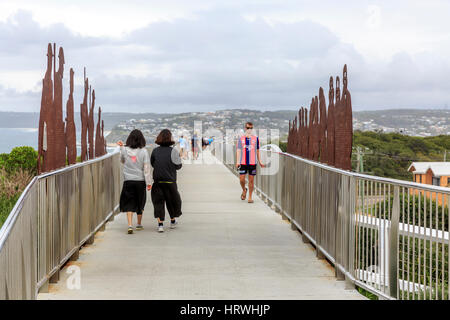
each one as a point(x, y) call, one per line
point(133, 196)
point(166, 194)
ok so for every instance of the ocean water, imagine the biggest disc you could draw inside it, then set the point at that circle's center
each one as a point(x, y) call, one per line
point(17, 137)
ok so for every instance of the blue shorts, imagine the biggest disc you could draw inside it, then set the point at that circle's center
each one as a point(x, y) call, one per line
point(250, 169)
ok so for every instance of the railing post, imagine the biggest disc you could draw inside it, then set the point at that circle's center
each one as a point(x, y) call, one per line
point(393, 244)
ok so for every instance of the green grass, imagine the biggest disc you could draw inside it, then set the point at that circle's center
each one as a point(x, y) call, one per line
point(367, 294)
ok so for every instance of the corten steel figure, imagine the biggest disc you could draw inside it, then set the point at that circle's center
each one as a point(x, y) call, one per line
point(288, 147)
point(44, 116)
point(59, 156)
point(346, 104)
point(323, 127)
point(294, 132)
point(328, 137)
point(310, 130)
point(316, 130)
point(84, 121)
point(71, 138)
point(103, 138)
point(299, 134)
point(98, 139)
point(91, 127)
point(339, 132)
point(330, 125)
point(305, 133)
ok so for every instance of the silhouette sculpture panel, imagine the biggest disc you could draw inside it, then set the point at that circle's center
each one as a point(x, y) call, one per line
point(330, 125)
point(327, 134)
point(91, 127)
point(71, 139)
point(43, 164)
point(322, 127)
point(84, 121)
point(58, 136)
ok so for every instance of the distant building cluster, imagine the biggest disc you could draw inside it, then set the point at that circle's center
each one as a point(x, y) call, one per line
point(183, 123)
point(412, 125)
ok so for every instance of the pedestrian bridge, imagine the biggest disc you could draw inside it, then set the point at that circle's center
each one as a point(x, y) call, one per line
point(313, 232)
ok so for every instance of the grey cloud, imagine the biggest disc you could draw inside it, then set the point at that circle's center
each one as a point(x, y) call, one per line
point(221, 60)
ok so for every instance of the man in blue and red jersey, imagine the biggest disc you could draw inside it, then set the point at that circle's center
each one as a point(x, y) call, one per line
point(247, 152)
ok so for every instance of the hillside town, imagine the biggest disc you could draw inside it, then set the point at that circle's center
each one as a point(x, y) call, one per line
point(422, 123)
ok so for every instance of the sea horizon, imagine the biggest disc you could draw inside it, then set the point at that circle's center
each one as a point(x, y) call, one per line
point(18, 137)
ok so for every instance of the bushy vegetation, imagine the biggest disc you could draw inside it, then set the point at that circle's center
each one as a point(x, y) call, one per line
point(16, 171)
point(390, 154)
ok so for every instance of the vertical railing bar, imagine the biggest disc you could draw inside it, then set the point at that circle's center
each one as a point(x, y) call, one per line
point(365, 236)
point(431, 246)
point(402, 211)
point(384, 251)
point(378, 216)
point(414, 245)
point(357, 231)
point(419, 245)
point(443, 247)
point(436, 247)
point(408, 237)
point(448, 246)
point(393, 245)
point(425, 278)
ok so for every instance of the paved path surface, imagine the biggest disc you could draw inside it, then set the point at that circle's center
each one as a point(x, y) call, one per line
point(223, 248)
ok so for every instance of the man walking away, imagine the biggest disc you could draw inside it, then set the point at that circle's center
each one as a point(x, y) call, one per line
point(247, 152)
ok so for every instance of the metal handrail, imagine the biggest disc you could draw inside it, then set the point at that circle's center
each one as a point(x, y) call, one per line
point(55, 215)
point(387, 236)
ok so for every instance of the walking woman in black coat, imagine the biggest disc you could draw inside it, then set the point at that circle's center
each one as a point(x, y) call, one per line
point(165, 161)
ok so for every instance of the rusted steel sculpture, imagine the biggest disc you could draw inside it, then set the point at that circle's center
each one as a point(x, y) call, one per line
point(325, 136)
point(84, 121)
point(330, 125)
point(299, 133)
point(99, 141)
point(71, 139)
point(295, 131)
point(339, 131)
point(59, 137)
point(315, 130)
point(103, 138)
point(91, 127)
point(346, 104)
point(305, 133)
point(44, 116)
point(322, 127)
point(57, 144)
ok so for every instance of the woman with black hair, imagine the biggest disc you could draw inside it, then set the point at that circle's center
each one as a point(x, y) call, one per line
point(165, 161)
point(136, 176)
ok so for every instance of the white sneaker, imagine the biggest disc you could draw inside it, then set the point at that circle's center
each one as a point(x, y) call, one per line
point(173, 224)
point(160, 229)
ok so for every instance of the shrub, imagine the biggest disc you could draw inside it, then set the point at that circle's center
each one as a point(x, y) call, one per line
point(3, 160)
point(12, 185)
point(24, 158)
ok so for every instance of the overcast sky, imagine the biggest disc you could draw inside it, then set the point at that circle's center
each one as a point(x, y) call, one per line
point(179, 56)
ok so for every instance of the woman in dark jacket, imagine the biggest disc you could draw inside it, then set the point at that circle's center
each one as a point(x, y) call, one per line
point(165, 161)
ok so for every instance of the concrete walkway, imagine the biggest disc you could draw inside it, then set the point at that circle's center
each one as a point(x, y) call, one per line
point(223, 248)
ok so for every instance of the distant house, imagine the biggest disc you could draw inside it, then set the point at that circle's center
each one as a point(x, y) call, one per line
point(434, 173)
